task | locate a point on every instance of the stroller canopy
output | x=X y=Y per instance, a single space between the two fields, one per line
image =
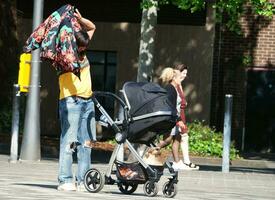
x=144 y=98
x=151 y=109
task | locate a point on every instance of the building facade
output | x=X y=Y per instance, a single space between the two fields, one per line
x=244 y=67
x=113 y=52
x=219 y=62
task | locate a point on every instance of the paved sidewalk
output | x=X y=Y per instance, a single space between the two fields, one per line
x=37 y=180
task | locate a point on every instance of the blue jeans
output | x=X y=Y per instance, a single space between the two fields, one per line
x=77 y=117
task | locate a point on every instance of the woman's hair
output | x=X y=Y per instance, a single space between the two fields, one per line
x=167 y=75
x=180 y=67
x=82 y=38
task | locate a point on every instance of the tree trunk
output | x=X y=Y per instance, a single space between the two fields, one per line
x=147 y=39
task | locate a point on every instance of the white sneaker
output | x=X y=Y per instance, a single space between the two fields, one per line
x=178 y=165
x=66 y=187
x=80 y=187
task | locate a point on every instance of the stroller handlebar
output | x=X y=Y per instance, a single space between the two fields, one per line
x=109 y=94
x=116 y=97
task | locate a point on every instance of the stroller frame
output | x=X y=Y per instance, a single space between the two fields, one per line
x=94 y=179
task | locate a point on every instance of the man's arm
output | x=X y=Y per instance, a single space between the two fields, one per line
x=85 y=23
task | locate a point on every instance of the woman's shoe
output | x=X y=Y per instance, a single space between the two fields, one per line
x=191 y=166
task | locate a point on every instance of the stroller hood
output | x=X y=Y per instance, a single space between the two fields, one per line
x=151 y=109
x=144 y=98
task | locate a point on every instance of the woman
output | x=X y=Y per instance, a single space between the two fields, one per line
x=171 y=79
x=181 y=124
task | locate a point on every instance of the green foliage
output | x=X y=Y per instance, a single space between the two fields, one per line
x=112 y=141
x=148 y=3
x=263 y=7
x=233 y=9
x=192 y=5
x=247 y=60
x=205 y=141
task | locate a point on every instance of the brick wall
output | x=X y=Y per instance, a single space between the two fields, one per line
x=256 y=48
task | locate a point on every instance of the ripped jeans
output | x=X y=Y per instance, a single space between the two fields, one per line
x=77 y=118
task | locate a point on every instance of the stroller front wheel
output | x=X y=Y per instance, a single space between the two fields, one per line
x=93 y=180
x=169 y=189
x=150 y=188
x=127 y=188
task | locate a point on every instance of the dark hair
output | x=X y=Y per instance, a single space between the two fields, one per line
x=180 y=67
x=82 y=38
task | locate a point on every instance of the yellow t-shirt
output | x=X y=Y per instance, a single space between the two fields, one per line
x=71 y=85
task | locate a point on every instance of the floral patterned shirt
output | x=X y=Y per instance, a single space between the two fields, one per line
x=55 y=37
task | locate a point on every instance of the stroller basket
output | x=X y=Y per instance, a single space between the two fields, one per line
x=130 y=171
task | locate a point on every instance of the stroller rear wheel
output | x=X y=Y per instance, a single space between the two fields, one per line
x=127 y=188
x=150 y=188
x=169 y=189
x=93 y=180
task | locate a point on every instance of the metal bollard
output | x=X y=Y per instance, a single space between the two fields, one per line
x=227 y=132
x=15 y=124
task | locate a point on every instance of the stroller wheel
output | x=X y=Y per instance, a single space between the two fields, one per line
x=127 y=188
x=150 y=188
x=169 y=189
x=93 y=180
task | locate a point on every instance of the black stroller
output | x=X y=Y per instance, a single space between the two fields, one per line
x=147 y=112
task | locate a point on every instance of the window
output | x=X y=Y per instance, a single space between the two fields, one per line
x=103 y=73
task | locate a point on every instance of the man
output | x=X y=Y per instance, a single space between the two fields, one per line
x=76 y=110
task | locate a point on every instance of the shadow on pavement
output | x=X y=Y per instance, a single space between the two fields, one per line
x=130 y=195
x=37 y=185
x=238 y=169
x=259 y=156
